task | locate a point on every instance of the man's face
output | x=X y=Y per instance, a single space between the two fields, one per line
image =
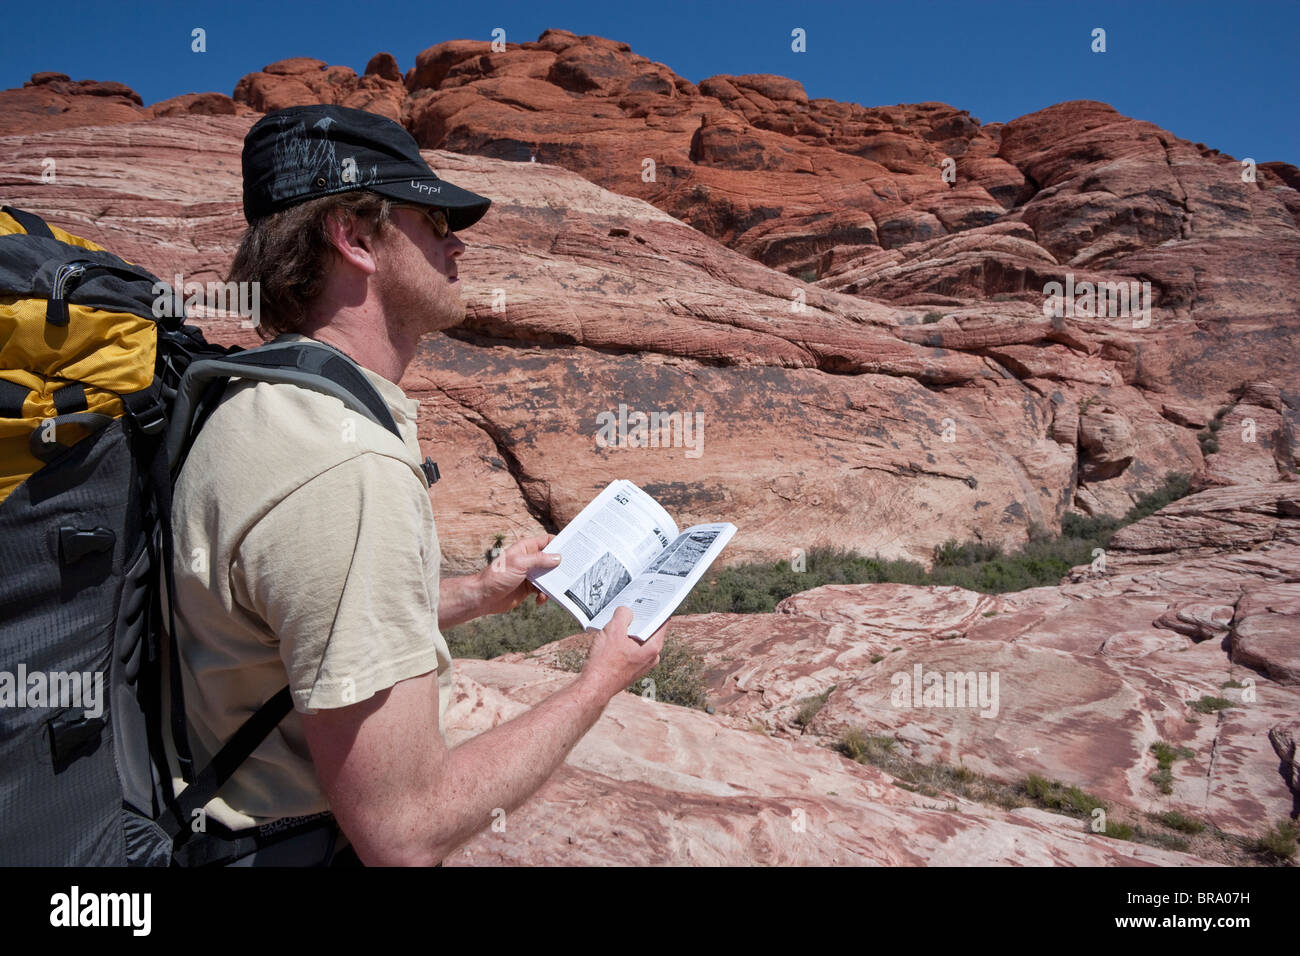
x=417 y=276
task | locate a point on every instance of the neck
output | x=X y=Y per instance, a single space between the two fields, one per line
x=369 y=345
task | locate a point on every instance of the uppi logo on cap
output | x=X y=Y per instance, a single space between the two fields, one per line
x=425 y=187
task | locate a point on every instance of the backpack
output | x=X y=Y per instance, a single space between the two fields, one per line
x=100 y=401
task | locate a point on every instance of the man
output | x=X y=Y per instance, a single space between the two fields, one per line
x=305 y=541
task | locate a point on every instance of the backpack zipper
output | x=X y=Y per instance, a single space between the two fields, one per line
x=67 y=276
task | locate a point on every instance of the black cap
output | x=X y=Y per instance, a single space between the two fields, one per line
x=305 y=152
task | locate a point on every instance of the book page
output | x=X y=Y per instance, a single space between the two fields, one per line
x=609 y=543
x=656 y=592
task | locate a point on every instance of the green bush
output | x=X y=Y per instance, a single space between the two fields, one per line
x=678 y=677
x=810 y=707
x=931 y=318
x=1178 y=821
x=1166 y=754
x=1054 y=795
x=524 y=629
x=1118 y=831
x=1209 y=435
x=1177 y=485
x=1210 y=705
x=1280 y=841
x=951 y=554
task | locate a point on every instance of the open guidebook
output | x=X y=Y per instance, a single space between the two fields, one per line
x=623 y=549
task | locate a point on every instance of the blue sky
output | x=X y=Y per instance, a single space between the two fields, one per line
x=1212 y=72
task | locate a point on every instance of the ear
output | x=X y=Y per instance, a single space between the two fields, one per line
x=351 y=241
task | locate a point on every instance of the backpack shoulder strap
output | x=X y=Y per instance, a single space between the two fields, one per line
x=313 y=365
x=32 y=223
x=176 y=819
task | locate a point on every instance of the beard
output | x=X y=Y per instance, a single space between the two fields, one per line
x=418 y=300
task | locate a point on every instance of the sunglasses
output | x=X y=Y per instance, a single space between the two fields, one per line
x=435 y=216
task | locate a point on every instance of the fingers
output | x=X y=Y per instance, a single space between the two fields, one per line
x=534 y=544
x=618 y=624
x=657 y=640
x=527 y=554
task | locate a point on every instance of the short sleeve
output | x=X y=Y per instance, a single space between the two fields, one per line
x=340 y=572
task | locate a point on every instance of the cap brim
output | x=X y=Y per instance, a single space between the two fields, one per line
x=463 y=207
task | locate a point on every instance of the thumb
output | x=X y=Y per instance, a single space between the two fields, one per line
x=543 y=561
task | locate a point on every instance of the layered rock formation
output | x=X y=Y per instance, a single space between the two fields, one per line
x=828 y=419
x=1074 y=683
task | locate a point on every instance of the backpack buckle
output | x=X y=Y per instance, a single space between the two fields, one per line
x=430 y=469
x=146 y=410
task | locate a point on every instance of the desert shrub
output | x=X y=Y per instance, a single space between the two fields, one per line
x=525 y=628
x=1054 y=795
x=810 y=707
x=1280 y=841
x=857 y=744
x=570 y=659
x=758 y=587
x=678 y=677
x=1176 y=485
x=1208 y=437
x=1117 y=830
x=1166 y=754
x=1181 y=822
x=952 y=554
x=1166 y=841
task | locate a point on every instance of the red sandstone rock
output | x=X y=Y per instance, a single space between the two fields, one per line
x=1266 y=632
x=52 y=101
x=197 y=104
x=883 y=431
x=1256 y=440
x=657 y=784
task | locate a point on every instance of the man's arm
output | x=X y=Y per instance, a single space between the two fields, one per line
x=458 y=600
x=403 y=798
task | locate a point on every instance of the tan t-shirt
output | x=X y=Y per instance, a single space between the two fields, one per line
x=306 y=552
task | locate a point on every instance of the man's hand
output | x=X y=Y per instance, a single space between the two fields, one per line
x=503 y=585
x=617 y=661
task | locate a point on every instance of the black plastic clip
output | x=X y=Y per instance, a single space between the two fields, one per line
x=146 y=410
x=76 y=543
